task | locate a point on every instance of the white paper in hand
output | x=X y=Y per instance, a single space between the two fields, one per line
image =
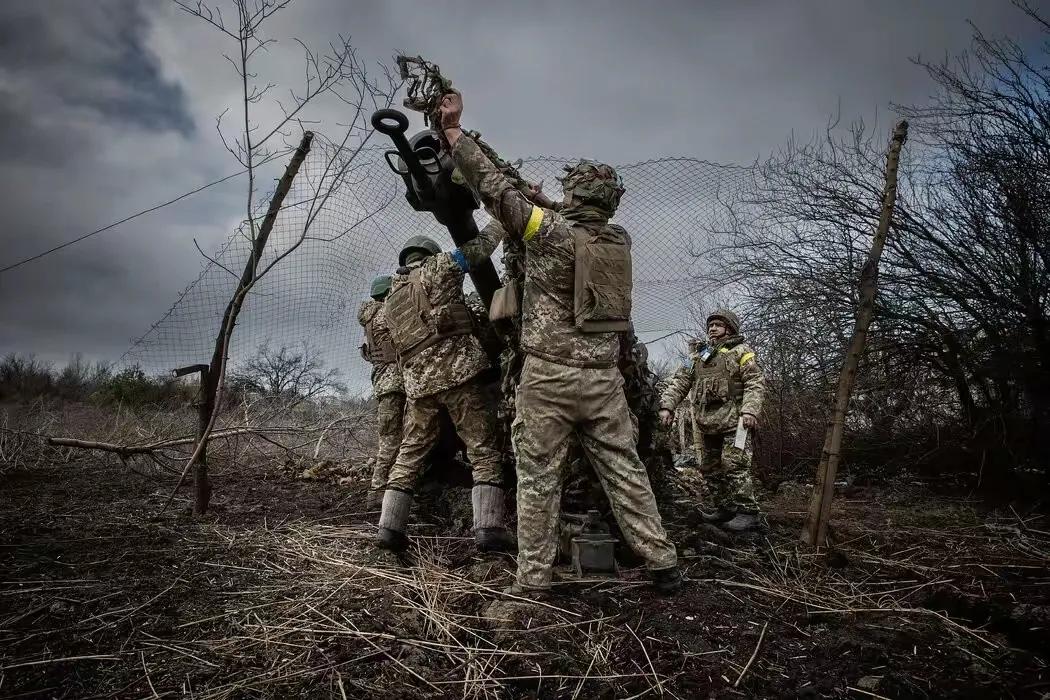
x=741 y=435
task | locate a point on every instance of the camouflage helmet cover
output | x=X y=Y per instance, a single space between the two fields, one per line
x=380 y=287
x=731 y=320
x=594 y=183
x=418 y=244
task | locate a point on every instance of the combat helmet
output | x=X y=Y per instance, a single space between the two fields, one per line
x=380 y=287
x=595 y=184
x=731 y=320
x=418 y=244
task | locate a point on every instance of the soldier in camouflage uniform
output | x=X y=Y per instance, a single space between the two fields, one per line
x=576 y=300
x=388 y=386
x=723 y=384
x=441 y=361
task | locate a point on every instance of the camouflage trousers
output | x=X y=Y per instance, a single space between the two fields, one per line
x=391 y=413
x=553 y=400
x=474 y=417
x=727 y=474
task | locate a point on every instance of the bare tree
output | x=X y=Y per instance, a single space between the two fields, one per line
x=290 y=374
x=338 y=74
x=980 y=241
x=960 y=343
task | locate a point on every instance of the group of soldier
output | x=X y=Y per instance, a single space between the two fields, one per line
x=421 y=340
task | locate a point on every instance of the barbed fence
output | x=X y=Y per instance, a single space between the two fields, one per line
x=670 y=208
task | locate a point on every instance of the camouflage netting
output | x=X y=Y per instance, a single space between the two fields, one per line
x=312 y=296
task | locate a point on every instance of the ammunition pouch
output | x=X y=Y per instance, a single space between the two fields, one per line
x=379 y=347
x=415 y=325
x=453 y=319
x=716 y=385
x=603 y=284
x=505 y=302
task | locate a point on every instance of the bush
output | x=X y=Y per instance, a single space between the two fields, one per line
x=24 y=378
x=133 y=387
x=78 y=380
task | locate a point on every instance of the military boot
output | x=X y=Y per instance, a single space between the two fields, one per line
x=745 y=522
x=393 y=520
x=374 y=499
x=518 y=591
x=667 y=581
x=717 y=516
x=490 y=517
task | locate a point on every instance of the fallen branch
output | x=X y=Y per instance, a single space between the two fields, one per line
x=754 y=654
x=147 y=448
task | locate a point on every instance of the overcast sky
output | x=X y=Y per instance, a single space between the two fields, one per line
x=108 y=107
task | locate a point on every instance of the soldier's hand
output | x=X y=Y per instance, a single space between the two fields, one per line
x=537 y=197
x=750 y=422
x=666 y=417
x=450 y=110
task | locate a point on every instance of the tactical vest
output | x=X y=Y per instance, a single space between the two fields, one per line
x=714 y=382
x=380 y=346
x=415 y=325
x=602 y=293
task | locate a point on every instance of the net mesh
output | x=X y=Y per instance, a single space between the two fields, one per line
x=311 y=296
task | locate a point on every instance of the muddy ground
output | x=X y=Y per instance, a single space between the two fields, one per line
x=278 y=593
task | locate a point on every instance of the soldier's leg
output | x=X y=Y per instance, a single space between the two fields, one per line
x=474 y=416
x=739 y=484
x=635 y=427
x=606 y=433
x=542 y=423
x=420 y=434
x=391 y=414
x=690 y=442
x=717 y=497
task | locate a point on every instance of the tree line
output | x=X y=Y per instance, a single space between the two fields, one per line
x=957 y=372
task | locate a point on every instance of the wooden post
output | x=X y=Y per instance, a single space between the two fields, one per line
x=815 y=531
x=210 y=376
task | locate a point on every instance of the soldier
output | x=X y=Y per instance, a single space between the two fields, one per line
x=576 y=300
x=725 y=384
x=388 y=386
x=441 y=359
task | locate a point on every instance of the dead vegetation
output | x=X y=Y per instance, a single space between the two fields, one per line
x=279 y=592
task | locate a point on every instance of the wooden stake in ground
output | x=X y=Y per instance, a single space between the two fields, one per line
x=815 y=531
x=217 y=367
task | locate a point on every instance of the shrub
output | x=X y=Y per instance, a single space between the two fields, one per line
x=23 y=378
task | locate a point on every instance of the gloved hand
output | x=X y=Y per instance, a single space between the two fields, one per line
x=450 y=110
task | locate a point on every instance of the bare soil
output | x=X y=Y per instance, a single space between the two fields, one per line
x=278 y=592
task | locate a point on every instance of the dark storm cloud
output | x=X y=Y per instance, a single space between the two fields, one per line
x=92 y=55
x=723 y=81
x=99 y=102
x=80 y=97
x=25 y=140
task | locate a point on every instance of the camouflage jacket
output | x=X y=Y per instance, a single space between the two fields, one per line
x=386 y=378
x=451 y=361
x=548 y=325
x=728 y=384
x=640 y=386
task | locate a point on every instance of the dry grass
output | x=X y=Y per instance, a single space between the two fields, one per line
x=283 y=603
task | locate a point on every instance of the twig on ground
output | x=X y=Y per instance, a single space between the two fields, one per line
x=754 y=654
